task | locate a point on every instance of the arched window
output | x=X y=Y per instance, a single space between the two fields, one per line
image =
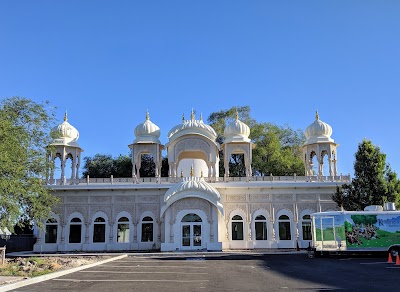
x=51 y=231
x=123 y=230
x=75 y=230
x=284 y=228
x=147 y=229
x=261 y=227
x=306 y=227
x=99 y=230
x=237 y=228
x=191 y=218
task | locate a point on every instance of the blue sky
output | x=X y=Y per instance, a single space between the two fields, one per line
x=107 y=62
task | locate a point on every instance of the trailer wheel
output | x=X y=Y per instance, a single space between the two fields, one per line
x=394 y=251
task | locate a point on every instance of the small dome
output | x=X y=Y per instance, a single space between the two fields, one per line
x=64 y=132
x=147 y=132
x=318 y=131
x=237 y=131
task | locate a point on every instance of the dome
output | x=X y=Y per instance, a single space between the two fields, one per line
x=192 y=187
x=64 y=133
x=192 y=126
x=147 y=132
x=318 y=131
x=237 y=131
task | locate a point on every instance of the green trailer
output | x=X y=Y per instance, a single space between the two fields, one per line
x=356 y=232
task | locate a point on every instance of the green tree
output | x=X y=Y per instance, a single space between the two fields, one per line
x=104 y=165
x=24 y=134
x=278 y=149
x=373 y=182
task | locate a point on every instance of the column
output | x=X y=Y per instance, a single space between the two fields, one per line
x=211 y=230
x=171 y=232
x=87 y=224
x=110 y=240
x=135 y=223
x=73 y=171
x=62 y=171
x=159 y=230
x=62 y=232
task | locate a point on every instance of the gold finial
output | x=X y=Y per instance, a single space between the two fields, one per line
x=237 y=115
x=316 y=115
x=147 y=115
x=183 y=118
x=202 y=173
x=65 y=116
x=192 y=115
x=201 y=116
x=191 y=171
x=181 y=173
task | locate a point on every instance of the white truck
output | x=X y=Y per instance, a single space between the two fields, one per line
x=372 y=230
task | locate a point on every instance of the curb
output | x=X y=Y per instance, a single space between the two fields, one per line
x=38 y=279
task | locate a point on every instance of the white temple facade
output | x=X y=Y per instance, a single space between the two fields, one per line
x=195 y=207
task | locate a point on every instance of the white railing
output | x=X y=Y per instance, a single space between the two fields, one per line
x=161 y=180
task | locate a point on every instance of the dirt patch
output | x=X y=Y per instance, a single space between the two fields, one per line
x=36 y=266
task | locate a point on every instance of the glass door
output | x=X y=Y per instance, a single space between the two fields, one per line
x=186 y=235
x=191 y=236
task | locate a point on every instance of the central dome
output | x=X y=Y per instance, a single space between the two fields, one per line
x=192 y=126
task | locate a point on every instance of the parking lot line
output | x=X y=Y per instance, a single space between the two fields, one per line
x=142 y=266
x=110 y=280
x=138 y=272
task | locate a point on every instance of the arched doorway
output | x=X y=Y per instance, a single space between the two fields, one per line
x=191 y=230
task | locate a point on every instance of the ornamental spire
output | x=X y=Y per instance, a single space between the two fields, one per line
x=147 y=115
x=316 y=115
x=191 y=171
x=237 y=115
x=183 y=118
x=192 y=115
x=65 y=116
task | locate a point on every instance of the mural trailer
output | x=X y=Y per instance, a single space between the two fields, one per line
x=356 y=231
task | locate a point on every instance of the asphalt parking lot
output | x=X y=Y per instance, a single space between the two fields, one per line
x=292 y=272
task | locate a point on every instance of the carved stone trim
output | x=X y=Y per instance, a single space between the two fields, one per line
x=80 y=209
x=191 y=204
x=100 y=199
x=141 y=208
x=260 y=206
x=127 y=208
x=236 y=198
x=262 y=198
x=123 y=199
x=285 y=198
x=147 y=199
x=231 y=207
x=96 y=208
x=74 y=199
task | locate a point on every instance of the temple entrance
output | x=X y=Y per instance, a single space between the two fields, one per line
x=191 y=226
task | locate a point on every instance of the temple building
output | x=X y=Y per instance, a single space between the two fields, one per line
x=195 y=207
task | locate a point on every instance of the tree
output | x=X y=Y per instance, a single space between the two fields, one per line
x=104 y=165
x=373 y=183
x=277 y=151
x=24 y=134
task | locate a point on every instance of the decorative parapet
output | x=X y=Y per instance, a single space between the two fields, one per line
x=169 y=180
